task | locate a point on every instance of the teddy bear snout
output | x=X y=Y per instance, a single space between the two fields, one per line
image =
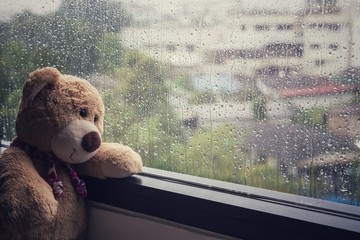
x=91 y=141
x=77 y=142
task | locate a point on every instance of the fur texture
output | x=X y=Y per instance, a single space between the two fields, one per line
x=50 y=102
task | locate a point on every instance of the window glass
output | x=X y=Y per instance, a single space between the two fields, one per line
x=260 y=93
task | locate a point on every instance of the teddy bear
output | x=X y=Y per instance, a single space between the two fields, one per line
x=58 y=139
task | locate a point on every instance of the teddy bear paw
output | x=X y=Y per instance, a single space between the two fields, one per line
x=125 y=164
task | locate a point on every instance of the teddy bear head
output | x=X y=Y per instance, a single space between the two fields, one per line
x=61 y=114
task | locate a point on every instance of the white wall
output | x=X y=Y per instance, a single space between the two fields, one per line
x=110 y=223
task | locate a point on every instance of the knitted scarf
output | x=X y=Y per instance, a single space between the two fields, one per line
x=53 y=179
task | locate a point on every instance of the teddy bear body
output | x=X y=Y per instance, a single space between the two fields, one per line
x=34 y=212
x=58 y=126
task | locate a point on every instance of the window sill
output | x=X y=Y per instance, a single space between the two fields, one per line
x=226 y=208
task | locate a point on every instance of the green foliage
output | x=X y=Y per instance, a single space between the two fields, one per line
x=13 y=69
x=8 y=109
x=354 y=180
x=138 y=113
x=264 y=176
x=118 y=118
x=71 y=38
x=109 y=54
x=141 y=83
x=213 y=154
x=74 y=42
x=314 y=117
x=17 y=60
x=154 y=142
x=152 y=136
x=259 y=107
x=71 y=41
x=184 y=81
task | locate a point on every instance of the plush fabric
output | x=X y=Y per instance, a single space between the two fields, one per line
x=58 y=126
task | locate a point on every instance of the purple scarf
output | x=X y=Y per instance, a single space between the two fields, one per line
x=53 y=179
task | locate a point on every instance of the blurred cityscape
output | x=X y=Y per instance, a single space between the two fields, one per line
x=300 y=58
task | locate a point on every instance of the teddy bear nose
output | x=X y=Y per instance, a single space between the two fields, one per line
x=91 y=141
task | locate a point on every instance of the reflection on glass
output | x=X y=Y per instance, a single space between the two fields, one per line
x=261 y=93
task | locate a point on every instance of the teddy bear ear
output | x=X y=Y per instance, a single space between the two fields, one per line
x=36 y=81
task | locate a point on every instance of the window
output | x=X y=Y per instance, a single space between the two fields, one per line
x=315 y=46
x=284 y=27
x=325 y=26
x=257 y=108
x=190 y=48
x=333 y=46
x=332 y=26
x=260 y=27
x=284 y=50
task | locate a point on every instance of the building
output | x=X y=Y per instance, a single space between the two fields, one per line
x=316 y=39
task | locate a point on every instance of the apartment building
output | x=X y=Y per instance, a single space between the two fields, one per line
x=315 y=40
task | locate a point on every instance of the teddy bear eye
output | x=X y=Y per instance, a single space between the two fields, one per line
x=96 y=118
x=83 y=113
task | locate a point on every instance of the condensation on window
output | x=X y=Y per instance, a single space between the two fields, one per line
x=259 y=93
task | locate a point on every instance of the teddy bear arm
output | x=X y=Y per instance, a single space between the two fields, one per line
x=112 y=160
x=26 y=200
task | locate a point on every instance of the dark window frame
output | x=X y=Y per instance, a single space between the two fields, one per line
x=225 y=208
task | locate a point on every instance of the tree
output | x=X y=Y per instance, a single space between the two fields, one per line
x=60 y=40
x=259 y=108
x=109 y=53
x=101 y=14
x=73 y=42
x=138 y=113
x=314 y=117
x=141 y=83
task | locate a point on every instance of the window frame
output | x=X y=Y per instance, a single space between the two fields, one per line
x=229 y=209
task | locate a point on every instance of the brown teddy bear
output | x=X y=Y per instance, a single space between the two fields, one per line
x=58 y=127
